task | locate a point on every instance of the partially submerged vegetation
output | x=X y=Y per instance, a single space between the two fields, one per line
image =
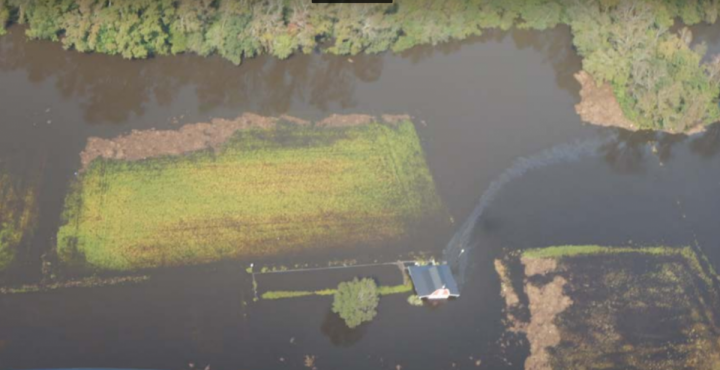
x=414 y=300
x=282 y=189
x=87 y=282
x=17 y=216
x=656 y=76
x=382 y=291
x=595 y=307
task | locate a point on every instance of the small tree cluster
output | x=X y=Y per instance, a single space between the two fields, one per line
x=658 y=77
x=356 y=301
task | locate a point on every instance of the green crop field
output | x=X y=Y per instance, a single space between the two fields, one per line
x=16 y=217
x=266 y=192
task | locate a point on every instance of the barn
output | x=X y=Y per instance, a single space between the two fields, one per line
x=433 y=281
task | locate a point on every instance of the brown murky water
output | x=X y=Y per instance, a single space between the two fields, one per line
x=479 y=105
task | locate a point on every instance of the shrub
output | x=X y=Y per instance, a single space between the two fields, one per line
x=356 y=301
x=415 y=300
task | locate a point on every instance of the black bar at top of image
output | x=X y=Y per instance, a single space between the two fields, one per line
x=352 y=1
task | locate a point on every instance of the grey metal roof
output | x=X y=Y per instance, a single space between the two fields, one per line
x=430 y=278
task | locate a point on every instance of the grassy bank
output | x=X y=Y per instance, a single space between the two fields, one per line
x=640 y=308
x=17 y=212
x=265 y=192
x=382 y=290
x=585 y=250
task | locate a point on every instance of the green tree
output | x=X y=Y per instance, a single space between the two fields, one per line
x=658 y=79
x=4 y=16
x=356 y=301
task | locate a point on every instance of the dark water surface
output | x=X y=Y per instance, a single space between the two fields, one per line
x=478 y=105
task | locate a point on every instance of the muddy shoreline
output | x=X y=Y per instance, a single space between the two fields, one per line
x=599 y=106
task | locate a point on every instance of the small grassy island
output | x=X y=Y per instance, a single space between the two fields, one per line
x=592 y=307
x=17 y=212
x=278 y=189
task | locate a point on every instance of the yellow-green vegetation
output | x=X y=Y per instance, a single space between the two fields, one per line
x=17 y=212
x=396 y=289
x=265 y=192
x=382 y=291
x=577 y=250
x=280 y=294
x=639 y=308
x=414 y=300
x=356 y=301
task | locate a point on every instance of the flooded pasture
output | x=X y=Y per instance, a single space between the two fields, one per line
x=478 y=105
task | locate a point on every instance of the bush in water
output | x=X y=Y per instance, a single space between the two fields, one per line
x=356 y=301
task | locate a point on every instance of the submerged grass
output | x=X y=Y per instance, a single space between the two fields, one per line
x=396 y=289
x=693 y=260
x=17 y=212
x=633 y=308
x=382 y=290
x=578 y=250
x=266 y=192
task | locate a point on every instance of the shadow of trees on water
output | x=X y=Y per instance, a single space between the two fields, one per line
x=114 y=90
x=334 y=328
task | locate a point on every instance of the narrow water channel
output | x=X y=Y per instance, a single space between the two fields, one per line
x=479 y=105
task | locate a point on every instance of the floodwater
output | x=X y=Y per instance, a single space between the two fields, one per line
x=479 y=105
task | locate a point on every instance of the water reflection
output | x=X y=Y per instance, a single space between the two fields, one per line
x=708 y=34
x=628 y=154
x=114 y=90
x=555 y=45
x=110 y=89
x=708 y=144
x=339 y=334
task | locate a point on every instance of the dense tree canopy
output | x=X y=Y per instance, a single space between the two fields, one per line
x=356 y=301
x=657 y=76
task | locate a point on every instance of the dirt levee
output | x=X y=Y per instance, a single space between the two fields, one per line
x=154 y=143
x=139 y=145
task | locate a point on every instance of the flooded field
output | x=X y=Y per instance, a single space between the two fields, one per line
x=588 y=307
x=481 y=108
x=263 y=192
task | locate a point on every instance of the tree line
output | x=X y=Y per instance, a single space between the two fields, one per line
x=660 y=79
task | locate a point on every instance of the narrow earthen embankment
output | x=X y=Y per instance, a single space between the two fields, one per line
x=139 y=145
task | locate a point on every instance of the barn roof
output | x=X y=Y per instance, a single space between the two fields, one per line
x=430 y=278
